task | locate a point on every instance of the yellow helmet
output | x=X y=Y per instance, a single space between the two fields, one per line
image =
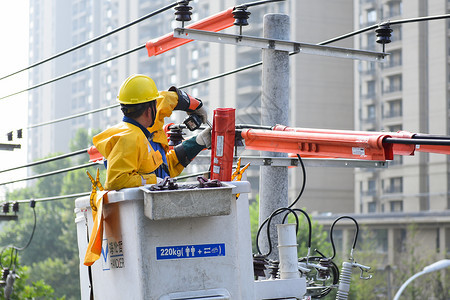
x=138 y=89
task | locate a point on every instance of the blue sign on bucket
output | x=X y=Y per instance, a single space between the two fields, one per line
x=190 y=251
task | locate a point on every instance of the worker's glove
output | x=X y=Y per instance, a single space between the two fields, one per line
x=189 y=149
x=202 y=113
x=186 y=102
x=204 y=138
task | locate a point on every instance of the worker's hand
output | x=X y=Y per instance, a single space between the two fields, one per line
x=186 y=102
x=202 y=113
x=204 y=138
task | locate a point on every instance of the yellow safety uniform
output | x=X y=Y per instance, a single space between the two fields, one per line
x=130 y=156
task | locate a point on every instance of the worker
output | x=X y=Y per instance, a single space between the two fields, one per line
x=136 y=150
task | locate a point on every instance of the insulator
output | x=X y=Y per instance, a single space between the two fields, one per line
x=259 y=266
x=183 y=11
x=383 y=34
x=5 y=273
x=324 y=274
x=32 y=203
x=10 y=136
x=19 y=133
x=273 y=268
x=6 y=208
x=344 y=281
x=15 y=207
x=175 y=136
x=240 y=14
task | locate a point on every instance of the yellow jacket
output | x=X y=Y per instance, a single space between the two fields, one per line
x=130 y=156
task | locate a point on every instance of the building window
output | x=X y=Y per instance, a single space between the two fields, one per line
x=372 y=207
x=396 y=206
x=370 y=89
x=394 y=109
x=395 y=8
x=395 y=59
x=371 y=16
x=371 y=112
x=394 y=84
x=395 y=186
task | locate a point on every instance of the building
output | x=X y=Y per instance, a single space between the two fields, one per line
x=408 y=92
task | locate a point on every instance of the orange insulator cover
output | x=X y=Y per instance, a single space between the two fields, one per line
x=319 y=144
x=398 y=149
x=94 y=155
x=213 y=23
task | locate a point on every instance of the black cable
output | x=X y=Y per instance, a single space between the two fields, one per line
x=74 y=72
x=94 y=39
x=268 y=220
x=258 y=3
x=32 y=233
x=417 y=141
x=51 y=173
x=309 y=224
x=74 y=116
x=78 y=152
x=355 y=238
x=17 y=249
x=303 y=184
x=372 y=27
x=280 y=210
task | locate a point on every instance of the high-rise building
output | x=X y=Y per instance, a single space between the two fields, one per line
x=410 y=92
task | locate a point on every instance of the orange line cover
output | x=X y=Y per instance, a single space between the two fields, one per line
x=320 y=144
x=213 y=23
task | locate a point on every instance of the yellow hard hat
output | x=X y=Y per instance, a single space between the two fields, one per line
x=138 y=89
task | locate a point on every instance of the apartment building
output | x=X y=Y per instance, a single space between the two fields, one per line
x=408 y=92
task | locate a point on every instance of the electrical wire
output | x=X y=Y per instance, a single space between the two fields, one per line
x=50 y=173
x=372 y=27
x=149 y=15
x=47 y=160
x=281 y=210
x=17 y=249
x=258 y=3
x=75 y=72
x=355 y=238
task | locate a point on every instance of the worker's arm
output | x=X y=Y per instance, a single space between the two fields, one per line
x=188 y=150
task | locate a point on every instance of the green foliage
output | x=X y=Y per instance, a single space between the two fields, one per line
x=50 y=263
x=22 y=288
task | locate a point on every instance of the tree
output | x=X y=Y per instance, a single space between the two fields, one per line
x=52 y=256
x=21 y=290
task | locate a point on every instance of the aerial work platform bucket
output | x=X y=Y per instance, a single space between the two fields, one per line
x=172 y=244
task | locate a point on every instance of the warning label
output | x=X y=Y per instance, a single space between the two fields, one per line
x=112 y=255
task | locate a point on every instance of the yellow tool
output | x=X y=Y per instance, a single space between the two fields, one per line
x=237 y=174
x=96 y=201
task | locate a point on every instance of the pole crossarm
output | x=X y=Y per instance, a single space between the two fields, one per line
x=281 y=45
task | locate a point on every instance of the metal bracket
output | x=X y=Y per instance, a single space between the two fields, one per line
x=293 y=161
x=274 y=44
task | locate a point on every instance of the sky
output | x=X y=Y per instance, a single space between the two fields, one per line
x=13 y=110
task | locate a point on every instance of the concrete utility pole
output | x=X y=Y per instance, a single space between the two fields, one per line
x=274 y=110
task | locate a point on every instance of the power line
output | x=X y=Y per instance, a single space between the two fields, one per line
x=51 y=173
x=73 y=116
x=395 y=22
x=94 y=39
x=47 y=160
x=75 y=72
x=117 y=105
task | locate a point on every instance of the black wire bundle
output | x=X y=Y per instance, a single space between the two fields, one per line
x=289 y=210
